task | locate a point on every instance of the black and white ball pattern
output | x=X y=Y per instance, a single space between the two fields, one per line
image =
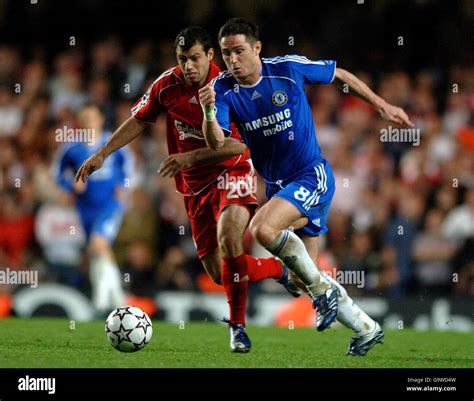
x=128 y=329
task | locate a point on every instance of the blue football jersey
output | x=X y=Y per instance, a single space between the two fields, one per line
x=101 y=184
x=273 y=115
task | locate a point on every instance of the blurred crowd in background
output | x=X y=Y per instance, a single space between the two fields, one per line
x=402 y=214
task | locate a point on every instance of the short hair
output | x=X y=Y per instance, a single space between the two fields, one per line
x=192 y=35
x=239 y=26
x=94 y=105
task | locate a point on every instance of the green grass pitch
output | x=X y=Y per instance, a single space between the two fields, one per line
x=38 y=342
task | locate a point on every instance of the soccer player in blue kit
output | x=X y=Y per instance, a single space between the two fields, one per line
x=265 y=99
x=100 y=203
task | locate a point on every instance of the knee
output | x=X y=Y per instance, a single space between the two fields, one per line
x=230 y=243
x=99 y=247
x=263 y=232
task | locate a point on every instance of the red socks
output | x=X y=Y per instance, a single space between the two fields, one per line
x=234 y=270
x=259 y=269
x=236 y=274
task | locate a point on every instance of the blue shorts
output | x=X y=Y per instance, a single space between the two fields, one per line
x=311 y=192
x=102 y=221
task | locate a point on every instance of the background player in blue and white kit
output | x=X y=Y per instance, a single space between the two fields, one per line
x=100 y=203
x=265 y=98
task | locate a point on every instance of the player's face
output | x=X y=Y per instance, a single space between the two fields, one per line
x=194 y=63
x=242 y=57
x=91 y=118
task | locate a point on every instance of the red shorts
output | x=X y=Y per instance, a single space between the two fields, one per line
x=237 y=186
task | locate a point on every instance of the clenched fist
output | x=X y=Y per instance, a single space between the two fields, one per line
x=207 y=96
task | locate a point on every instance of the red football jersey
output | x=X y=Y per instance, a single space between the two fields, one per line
x=171 y=94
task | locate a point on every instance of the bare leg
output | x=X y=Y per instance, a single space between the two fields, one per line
x=231 y=226
x=212 y=265
x=270 y=228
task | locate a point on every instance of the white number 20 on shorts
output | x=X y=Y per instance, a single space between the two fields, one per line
x=240 y=188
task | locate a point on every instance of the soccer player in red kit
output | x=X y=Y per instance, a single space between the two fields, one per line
x=218 y=186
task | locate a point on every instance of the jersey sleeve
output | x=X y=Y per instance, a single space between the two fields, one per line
x=309 y=71
x=149 y=106
x=223 y=114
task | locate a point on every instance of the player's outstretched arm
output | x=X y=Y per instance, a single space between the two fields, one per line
x=213 y=133
x=123 y=135
x=361 y=90
x=180 y=161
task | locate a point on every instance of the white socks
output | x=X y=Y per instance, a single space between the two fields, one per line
x=291 y=250
x=107 y=292
x=348 y=313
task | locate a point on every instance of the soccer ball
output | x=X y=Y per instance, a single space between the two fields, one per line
x=128 y=329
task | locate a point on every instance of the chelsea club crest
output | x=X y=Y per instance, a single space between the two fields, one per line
x=279 y=98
